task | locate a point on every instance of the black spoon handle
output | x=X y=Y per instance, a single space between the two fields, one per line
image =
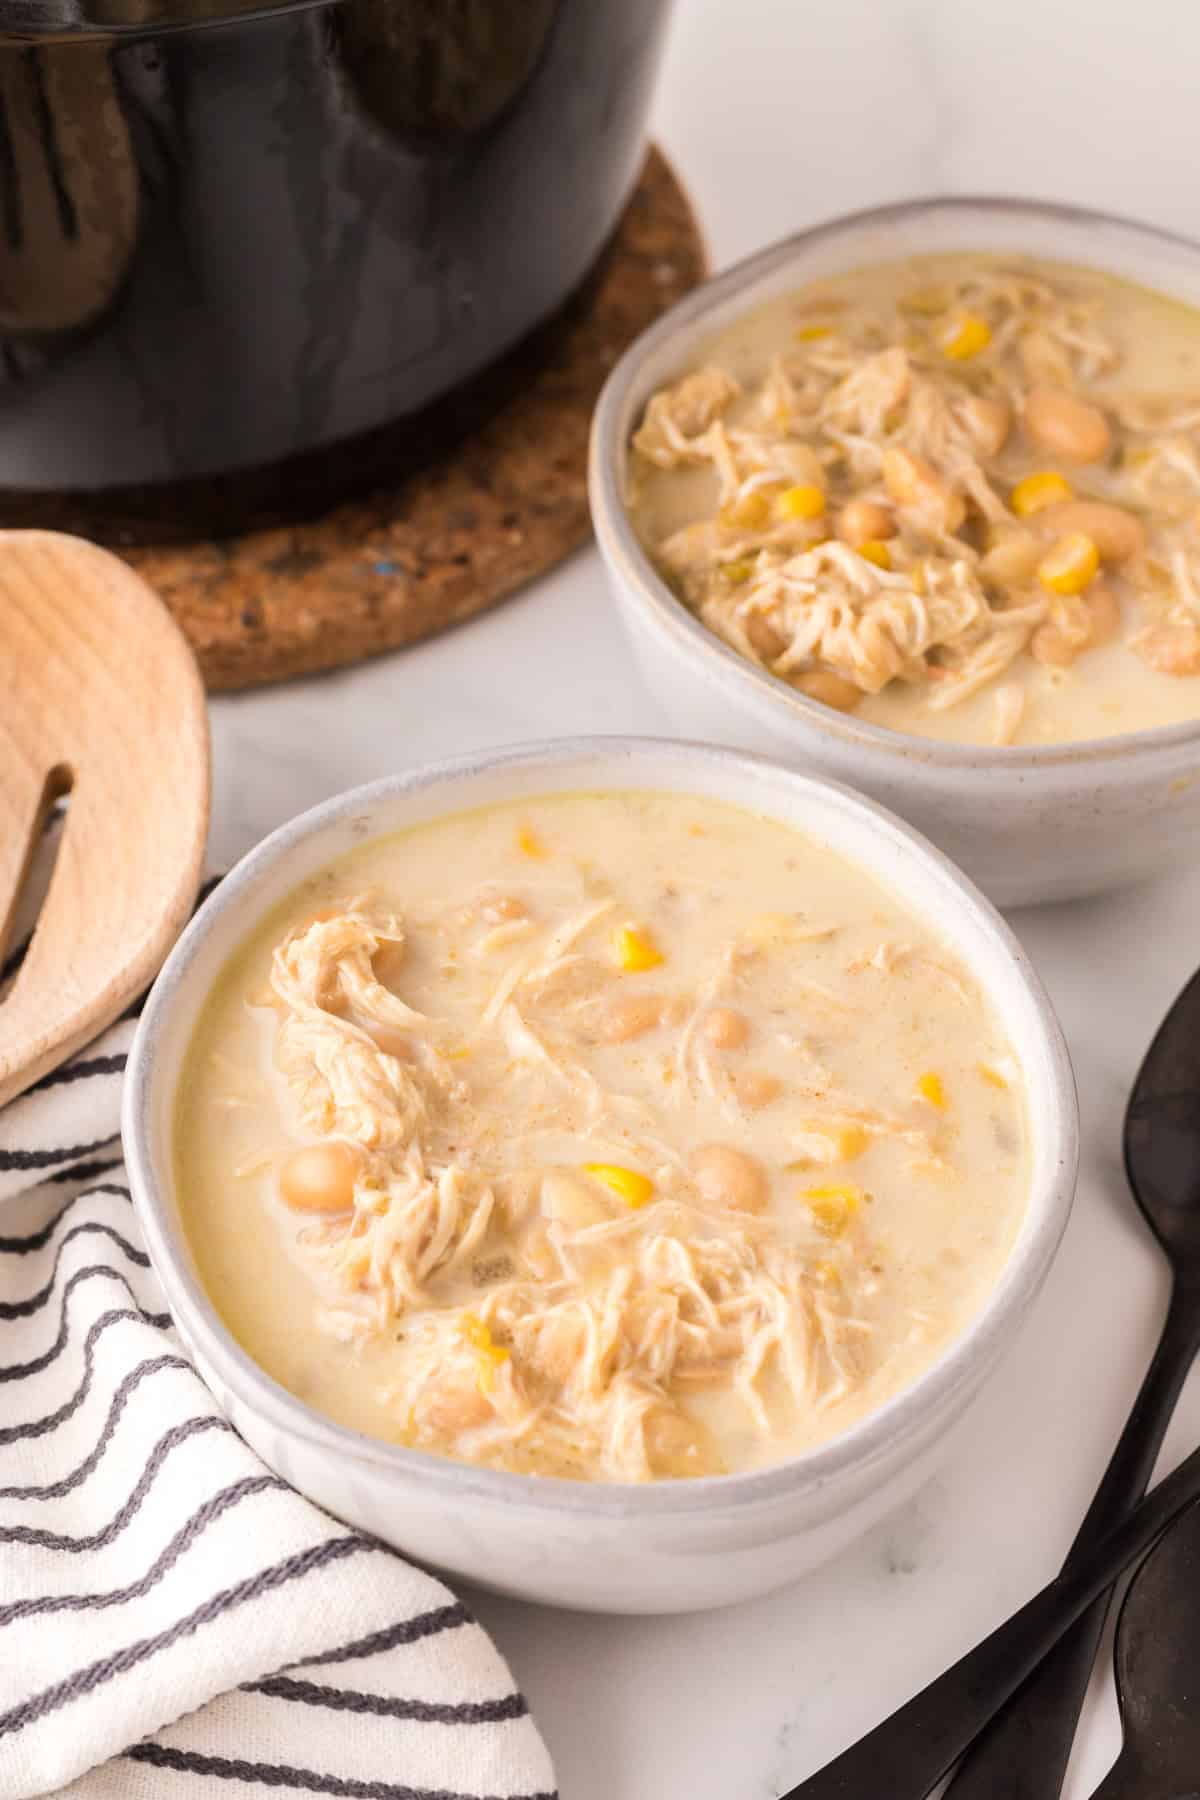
x=1023 y=1753
x=910 y=1752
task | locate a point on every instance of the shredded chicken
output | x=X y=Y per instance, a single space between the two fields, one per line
x=875 y=412
x=675 y=427
x=550 y=1319
x=363 y=1067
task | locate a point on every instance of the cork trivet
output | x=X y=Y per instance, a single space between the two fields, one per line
x=466 y=531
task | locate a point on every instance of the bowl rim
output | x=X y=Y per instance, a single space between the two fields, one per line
x=642 y=585
x=859 y=1447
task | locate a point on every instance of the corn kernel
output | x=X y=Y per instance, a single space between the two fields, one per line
x=963 y=335
x=808 y=334
x=751 y=512
x=489 y=1355
x=931 y=1089
x=636 y=950
x=825 y=1143
x=530 y=844
x=479 y=1336
x=627 y=1184
x=1044 y=488
x=993 y=1077
x=738 y=571
x=1070 y=565
x=918 y=577
x=833 y=1207
x=805 y=501
x=876 y=551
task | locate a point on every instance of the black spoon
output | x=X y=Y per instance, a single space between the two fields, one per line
x=920 y=1742
x=910 y=1752
x=1023 y=1753
x=1158 y=1673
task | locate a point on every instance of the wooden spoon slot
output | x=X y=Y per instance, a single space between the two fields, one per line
x=33 y=876
x=109 y=708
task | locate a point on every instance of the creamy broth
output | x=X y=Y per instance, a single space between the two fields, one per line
x=610 y=1136
x=958 y=496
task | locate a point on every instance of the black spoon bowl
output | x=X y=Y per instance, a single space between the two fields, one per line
x=910 y=1752
x=1023 y=1754
x=1021 y=1690
x=1158 y=1673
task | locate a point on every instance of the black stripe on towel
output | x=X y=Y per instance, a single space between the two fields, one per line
x=309 y=1781
x=53 y=1540
x=50 y=1159
x=382 y=1706
x=214 y=1508
x=38 y=1428
x=407 y=1631
x=19 y=1371
x=85 y=1171
x=21 y=1309
x=80 y=1071
x=33 y=1428
x=37 y=1240
x=94 y=1675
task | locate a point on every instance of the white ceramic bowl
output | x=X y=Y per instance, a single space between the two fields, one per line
x=1026 y=824
x=627 y=1548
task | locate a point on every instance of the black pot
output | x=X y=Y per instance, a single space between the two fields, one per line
x=250 y=259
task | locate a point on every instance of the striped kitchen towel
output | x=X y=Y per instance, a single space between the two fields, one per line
x=174 y=1619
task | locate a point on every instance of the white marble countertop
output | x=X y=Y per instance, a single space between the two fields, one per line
x=779 y=112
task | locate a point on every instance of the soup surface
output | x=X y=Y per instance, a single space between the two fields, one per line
x=613 y=1136
x=957 y=495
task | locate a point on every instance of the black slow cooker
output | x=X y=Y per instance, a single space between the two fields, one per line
x=251 y=257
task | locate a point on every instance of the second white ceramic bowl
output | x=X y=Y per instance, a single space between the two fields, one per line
x=1026 y=824
x=661 y=1547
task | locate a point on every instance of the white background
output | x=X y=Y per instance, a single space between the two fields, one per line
x=777 y=113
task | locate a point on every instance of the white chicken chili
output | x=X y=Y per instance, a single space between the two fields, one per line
x=957 y=495
x=608 y=1136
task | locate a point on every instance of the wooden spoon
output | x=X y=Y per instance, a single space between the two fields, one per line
x=100 y=699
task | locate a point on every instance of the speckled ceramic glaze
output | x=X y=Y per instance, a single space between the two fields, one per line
x=1027 y=824
x=670 y=1546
